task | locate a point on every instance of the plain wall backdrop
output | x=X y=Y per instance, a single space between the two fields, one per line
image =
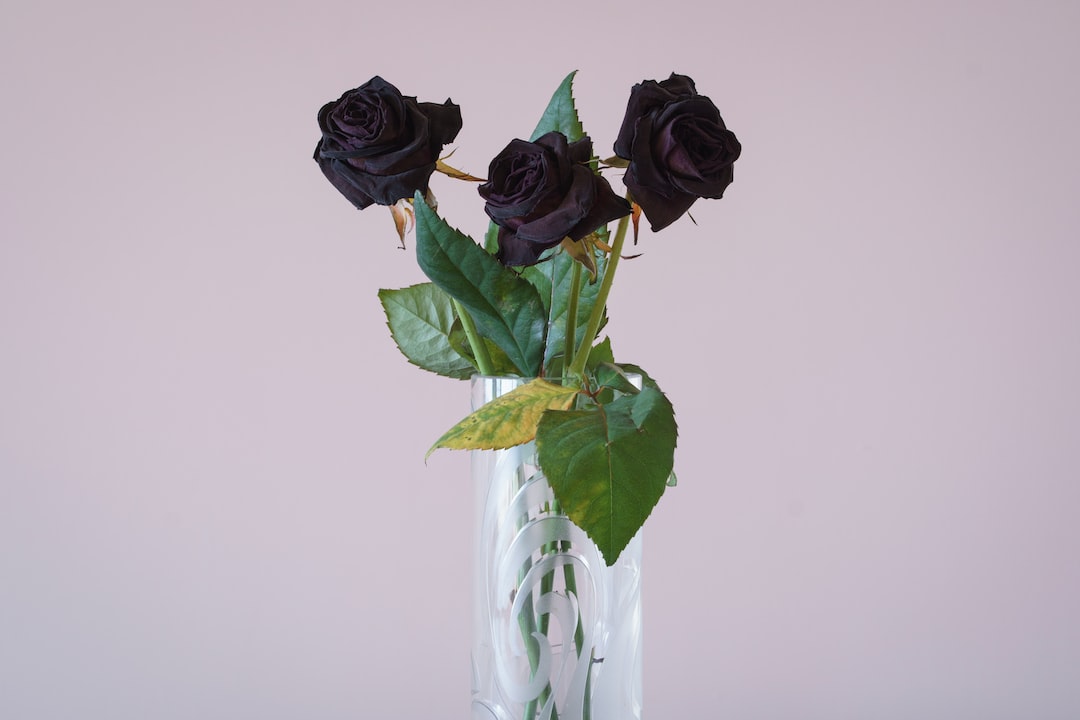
x=213 y=499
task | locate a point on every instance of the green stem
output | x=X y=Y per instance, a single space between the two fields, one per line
x=527 y=618
x=570 y=581
x=547 y=583
x=571 y=314
x=479 y=349
x=581 y=357
x=570 y=578
x=525 y=623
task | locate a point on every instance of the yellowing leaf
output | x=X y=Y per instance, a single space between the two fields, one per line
x=509 y=420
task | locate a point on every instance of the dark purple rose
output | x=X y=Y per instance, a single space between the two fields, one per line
x=379 y=146
x=678 y=147
x=541 y=192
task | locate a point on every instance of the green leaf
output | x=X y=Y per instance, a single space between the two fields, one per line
x=421 y=319
x=601 y=353
x=613 y=376
x=608 y=465
x=491 y=238
x=561 y=114
x=505 y=307
x=646 y=379
x=609 y=379
x=552 y=281
x=509 y=419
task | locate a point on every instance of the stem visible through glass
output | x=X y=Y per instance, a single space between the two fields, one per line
x=528 y=620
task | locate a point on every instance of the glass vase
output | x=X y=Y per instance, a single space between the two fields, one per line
x=556 y=632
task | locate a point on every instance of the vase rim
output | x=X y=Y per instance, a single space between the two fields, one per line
x=475 y=377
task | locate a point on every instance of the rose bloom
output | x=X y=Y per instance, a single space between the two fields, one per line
x=678 y=147
x=379 y=146
x=541 y=192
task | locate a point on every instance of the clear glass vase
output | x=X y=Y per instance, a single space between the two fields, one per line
x=556 y=632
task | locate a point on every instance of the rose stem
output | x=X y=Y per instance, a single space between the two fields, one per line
x=527 y=617
x=570 y=580
x=527 y=624
x=571 y=312
x=582 y=355
x=547 y=583
x=479 y=349
x=569 y=341
x=568 y=356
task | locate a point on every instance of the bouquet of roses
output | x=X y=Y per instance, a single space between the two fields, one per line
x=531 y=300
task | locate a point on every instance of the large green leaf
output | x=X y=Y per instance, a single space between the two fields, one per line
x=552 y=280
x=421 y=319
x=609 y=464
x=561 y=113
x=505 y=307
x=509 y=419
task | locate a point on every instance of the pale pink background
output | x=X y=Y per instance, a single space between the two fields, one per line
x=213 y=501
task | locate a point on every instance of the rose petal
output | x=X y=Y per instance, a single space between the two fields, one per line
x=607 y=207
x=515 y=252
x=551 y=227
x=445 y=121
x=646 y=97
x=342 y=181
x=661 y=210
